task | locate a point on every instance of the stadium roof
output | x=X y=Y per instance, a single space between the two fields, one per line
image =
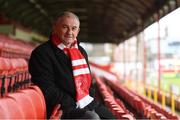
x=102 y=21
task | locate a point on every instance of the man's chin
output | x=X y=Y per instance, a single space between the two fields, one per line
x=69 y=41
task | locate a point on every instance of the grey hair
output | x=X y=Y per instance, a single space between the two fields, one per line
x=65 y=14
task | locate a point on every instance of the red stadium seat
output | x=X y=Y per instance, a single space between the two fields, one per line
x=24 y=70
x=8 y=74
x=127 y=117
x=57 y=112
x=10 y=109
x=25 y=103
x=38 y=102
x=2 y=76
x=37 y=89
x=5 y=67
x=11 y=74
x=114 y=105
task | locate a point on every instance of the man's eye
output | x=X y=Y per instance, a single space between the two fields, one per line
x=65 y=27
x=74 y=28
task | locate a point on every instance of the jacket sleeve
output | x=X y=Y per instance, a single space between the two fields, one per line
x=41 y=70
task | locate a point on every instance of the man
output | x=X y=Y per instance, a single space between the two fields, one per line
x=60 y=68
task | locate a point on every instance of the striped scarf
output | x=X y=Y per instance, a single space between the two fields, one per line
x=81 y=73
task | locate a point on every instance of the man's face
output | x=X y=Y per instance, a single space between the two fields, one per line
x=67 y=29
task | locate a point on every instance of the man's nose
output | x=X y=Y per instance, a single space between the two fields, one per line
x=69 y=31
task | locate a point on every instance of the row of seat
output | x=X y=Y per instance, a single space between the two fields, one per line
x=11 y=48
x=158 y=108
x=28 y=103
x=150 y=109
x=19 y=99
x=115 y=105
x=13 y=75
x=139 y=103
x=166 y=95
x=23 y=104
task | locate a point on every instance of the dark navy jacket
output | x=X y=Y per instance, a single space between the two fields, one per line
x=51 y=70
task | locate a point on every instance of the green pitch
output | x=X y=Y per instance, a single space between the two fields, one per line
x=171 y=79
x=167 y=81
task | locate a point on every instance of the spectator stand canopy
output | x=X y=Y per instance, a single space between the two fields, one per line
x=102 y=21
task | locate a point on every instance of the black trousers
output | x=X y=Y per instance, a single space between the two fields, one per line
x=90 y=115
x=103 y=112
x=85 y=113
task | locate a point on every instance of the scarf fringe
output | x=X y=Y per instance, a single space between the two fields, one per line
x=84 y=101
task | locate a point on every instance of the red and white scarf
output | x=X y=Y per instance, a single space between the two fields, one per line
x=81 y=73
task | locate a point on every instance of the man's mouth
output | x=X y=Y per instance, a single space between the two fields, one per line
x=69 y=37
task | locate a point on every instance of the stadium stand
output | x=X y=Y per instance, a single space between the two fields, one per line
x=141 y=105
x=19 y=98
x=117 y=108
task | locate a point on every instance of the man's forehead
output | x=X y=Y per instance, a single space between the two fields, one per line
x=68 y=17
x=64 y=20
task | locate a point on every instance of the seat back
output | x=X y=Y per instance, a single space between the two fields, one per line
x=38 y=102
x=25 y=103
x=37 y=89
x=3 y=72
x=9 y=109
